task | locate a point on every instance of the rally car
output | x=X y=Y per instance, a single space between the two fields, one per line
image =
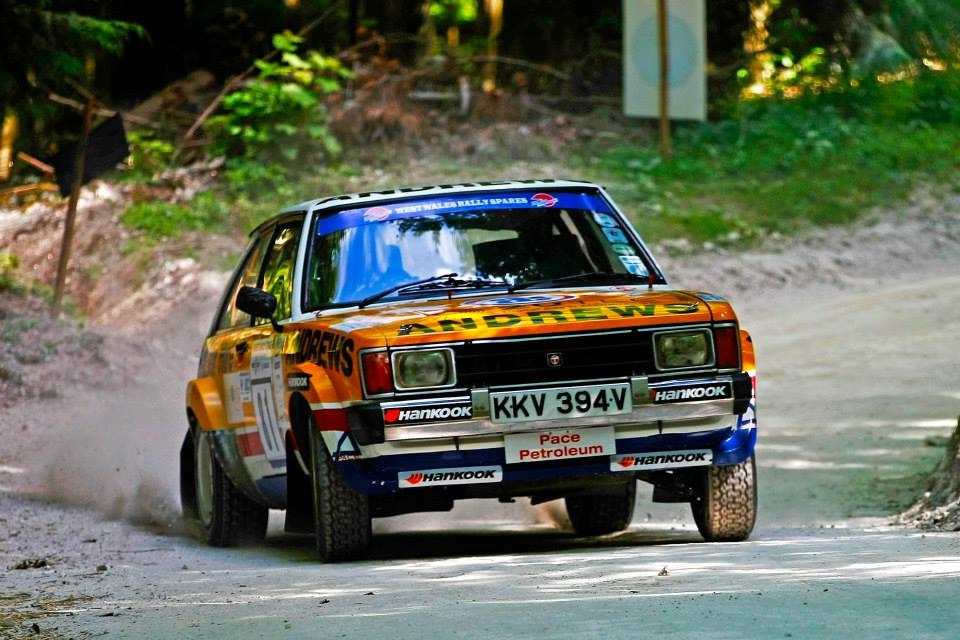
x=394 y=351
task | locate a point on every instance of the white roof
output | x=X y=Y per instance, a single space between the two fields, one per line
x=380 y=195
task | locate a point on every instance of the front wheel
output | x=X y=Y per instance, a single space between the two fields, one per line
x=725 y=507
x=341 y=515
x=599 y=514
x=227 y=516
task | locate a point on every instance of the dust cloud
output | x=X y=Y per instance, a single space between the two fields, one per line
x=116 y=448
x=119 y=455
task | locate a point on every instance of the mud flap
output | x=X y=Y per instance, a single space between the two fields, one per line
x=299 y=514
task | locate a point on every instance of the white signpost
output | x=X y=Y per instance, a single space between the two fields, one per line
x=686 y=33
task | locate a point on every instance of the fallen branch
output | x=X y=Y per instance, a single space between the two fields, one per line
x=517 y=62
x=39 y=165
x=100 y=111
x=29 y=188
x=588 y=99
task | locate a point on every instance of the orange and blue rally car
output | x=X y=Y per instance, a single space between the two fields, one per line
x=394 y=351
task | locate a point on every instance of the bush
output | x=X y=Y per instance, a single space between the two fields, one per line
x=279 y=116
x=779 y=165
x=160 y=219
x=8 y=265
x=149 y=154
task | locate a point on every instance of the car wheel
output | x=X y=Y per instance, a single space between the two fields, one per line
x=227 y=516
x=599 y=514
x=341 y=515
x=725 y=507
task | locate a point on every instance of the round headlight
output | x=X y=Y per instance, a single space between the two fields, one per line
x=429 y=368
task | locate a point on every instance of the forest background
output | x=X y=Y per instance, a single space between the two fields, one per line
x=818 y=110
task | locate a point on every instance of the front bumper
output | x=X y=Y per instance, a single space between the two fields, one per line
x=380 y=475
x=367 y=423
x=722 y=429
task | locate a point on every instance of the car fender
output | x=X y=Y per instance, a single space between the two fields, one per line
x=319 y=395
x=203 y=400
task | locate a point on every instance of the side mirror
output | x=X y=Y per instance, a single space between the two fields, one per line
x=259 y=304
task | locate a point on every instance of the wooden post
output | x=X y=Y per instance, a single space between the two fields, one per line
x=664 y=48
x=8 y=136
x=78 y=168
x=495 y=12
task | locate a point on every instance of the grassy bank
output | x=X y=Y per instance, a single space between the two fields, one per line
x=778 y=168
x=768 y=166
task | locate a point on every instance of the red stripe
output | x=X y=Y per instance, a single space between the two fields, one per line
x=331 y=419
x=250 y=444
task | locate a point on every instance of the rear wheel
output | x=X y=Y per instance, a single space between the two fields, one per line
x=598 y=514
x=227 y=516
x=341 y=515
x=725 y=508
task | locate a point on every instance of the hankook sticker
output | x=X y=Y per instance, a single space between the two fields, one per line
x=434 y=477
x=661 y=460
x=428 y=413
x=703 y=391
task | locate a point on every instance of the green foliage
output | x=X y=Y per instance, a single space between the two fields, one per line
x=159 y=219
x=916 y=95
x=8 y=267
x=782 y=165
x=446 y=12
x=924 y=28
x=12 y=329
x=789 y=76
x=279 y=116
x=44 y=46
x=149 y=153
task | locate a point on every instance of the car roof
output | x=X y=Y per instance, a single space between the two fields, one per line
x=372 y=197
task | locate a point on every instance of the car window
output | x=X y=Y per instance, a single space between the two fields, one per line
x=512 y=245
x=247 y=275
x=278 y=269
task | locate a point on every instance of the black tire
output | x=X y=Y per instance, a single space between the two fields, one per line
x=599 y=514
x=725 y=508
x=341 y=515
x=228 y=518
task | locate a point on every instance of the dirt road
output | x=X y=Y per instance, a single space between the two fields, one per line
x=857 y=380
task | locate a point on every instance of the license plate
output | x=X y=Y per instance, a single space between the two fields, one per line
x=570 y=402
x=559 y=444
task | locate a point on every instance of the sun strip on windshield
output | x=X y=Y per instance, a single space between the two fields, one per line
x=439 y=206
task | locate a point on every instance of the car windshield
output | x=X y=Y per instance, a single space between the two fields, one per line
x=491 y=241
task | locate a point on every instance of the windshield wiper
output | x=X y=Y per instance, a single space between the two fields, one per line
x=590 y=275
x=406 y=285
x=445 y=281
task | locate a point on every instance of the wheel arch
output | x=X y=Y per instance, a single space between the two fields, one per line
x=204 y=404
x=298 y=436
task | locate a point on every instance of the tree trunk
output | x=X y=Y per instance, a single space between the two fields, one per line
x=7 y=138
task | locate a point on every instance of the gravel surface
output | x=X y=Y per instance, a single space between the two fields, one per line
x=856 y=335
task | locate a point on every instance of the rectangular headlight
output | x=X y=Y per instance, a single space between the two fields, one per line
x=425 y=368
x=683 y=349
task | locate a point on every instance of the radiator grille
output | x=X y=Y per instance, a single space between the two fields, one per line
x=583 y=357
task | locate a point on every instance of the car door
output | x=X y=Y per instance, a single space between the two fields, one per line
x=244 y=354
x=268 y=348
